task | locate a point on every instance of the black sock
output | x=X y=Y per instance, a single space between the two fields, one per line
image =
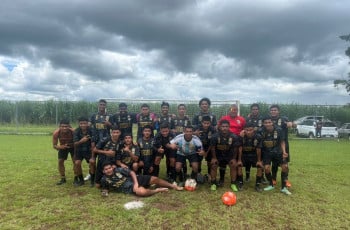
x=284 y=178
x=269 y=178
x=274 y=171
x=222 y=174
x=258 y=181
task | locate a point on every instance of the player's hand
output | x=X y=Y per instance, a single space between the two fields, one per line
x=150 y=169
x=161 y=150
x=201 y=152
x=92 y=160
x=239 y=163
x=242 y=133
x=285 y=155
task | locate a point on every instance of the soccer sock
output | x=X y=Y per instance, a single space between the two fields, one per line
x=213 y=182
x=156 y=170
x=222 y=174
x=240 y=178
x=194 y=175
x=274 y=171
x=92 y=178
x=283 y=178
x=269 y=178
x=247 y=171
x=258 y=181
x=172 y=173
x=184 y=169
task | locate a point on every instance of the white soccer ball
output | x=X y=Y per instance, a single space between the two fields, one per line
x=190 y=184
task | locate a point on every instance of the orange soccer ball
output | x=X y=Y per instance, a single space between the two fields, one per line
x=229 y=198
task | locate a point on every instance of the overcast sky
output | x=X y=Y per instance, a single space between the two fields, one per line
x=273 y=51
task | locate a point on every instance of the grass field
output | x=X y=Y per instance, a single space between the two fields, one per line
x=31 y=200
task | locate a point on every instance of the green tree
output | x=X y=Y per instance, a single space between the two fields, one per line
x=344 y=82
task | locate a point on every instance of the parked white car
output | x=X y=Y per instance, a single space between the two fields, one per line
x=307 y=128
x=344 y=131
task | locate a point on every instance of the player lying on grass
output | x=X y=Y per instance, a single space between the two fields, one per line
x=124 y=180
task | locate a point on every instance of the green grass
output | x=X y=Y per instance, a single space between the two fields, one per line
x=31 y=200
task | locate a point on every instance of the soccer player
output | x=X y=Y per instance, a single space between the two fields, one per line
x=224 y=150
x=118 y=179
x=145 y=118
x=100 y=121
x=162 y=148
x=189 y=147
x=248 y=155
x=164 y=116
x=147 y=154
x=204 y=105
x=129 y=154
x=284 y=124
x=181 y=120
x=205 y=132
x=273 y=149
x=106 y=150
x=84 y=142
x=64 y=136
x=124 y=119
x=255 y=118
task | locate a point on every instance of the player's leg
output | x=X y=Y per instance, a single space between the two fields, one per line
x=233 y=174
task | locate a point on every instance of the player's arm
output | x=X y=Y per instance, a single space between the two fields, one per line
x=55 y=139
x=240 y=150
x=283 y=147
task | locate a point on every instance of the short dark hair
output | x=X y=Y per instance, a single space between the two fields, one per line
x=249 y=125
x=255 y=105
x=115 y=127
x=181 y=105
x=267 y=117
x=102 y=100
x=164 y=125
x=105 y=163
x=164 y=103
x=64 y=121
x=224 y=122
x=206 y=118
x=128 y=134
x=275 y=106
x=189 y=127
x=147 y=127
x=83 y=119
x=144 y=105
x=121 y=105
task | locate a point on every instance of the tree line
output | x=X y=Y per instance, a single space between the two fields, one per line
x=50 y=112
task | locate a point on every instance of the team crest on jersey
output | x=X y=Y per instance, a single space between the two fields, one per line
x=275 y=134
x=230 y=141
x=279 y=122
x=255 y=142
x=200 y=118
x=238 y=122
x=259 y=123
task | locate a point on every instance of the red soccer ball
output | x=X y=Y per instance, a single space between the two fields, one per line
x=229 y=198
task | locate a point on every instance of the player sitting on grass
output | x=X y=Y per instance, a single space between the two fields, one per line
x=124 y=180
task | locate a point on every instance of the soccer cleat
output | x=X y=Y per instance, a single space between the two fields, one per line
x=269 y=188
x=234 y=188
x=258 y=189
x=285 y=191
x=288 y=184
x=213 y=187
x=62 y=181
x=88 y=176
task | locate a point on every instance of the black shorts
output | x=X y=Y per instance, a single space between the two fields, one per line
x=170 y=153
x=144 y=180
x=63 y=153
x=82 y=155
x=249 y=160
x=226 y=158
x=274 y=157
x=192 y=158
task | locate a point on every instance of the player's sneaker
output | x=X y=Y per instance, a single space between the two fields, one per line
x=269 y=188
x=258 y=188
x=234 y=188
x=88 y=176
x=213 y=187
x=285 y=191
x=62 y=181
x=288 y=184
x=274 y=182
